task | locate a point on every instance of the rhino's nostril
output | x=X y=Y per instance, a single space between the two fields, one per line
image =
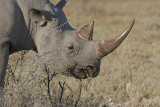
x=90 y=68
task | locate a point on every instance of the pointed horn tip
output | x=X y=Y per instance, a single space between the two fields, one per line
x=133 y=21
x=126 y=32
x=128 y=29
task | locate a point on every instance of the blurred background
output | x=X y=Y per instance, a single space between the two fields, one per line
x=130 y=76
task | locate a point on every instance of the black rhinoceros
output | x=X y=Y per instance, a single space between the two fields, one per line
x=41 y=26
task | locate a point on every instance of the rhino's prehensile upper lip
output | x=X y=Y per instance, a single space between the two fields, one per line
x=84 y=72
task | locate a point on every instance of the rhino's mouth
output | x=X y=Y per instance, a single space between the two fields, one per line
x=85 y=72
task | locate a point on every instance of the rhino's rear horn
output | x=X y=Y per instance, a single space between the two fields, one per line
x=105 y=47
x=86 y=32
x=61 y=4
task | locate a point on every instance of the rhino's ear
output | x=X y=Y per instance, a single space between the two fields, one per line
x=86 y=32
x=37 y=16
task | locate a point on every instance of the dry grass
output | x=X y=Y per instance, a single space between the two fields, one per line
x=129 y=77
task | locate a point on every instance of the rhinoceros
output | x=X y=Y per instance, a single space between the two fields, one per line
x=42 y=26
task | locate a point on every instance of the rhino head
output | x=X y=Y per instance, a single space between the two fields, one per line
x=66 y=50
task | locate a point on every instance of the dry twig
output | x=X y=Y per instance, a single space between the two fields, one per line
x=79 y=95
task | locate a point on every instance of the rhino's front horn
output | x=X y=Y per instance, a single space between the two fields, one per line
x=105 y=47
x=61 y=4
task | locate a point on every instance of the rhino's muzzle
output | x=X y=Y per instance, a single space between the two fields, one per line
x=83 y=73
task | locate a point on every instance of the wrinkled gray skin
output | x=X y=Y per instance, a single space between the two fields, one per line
x=41 y=26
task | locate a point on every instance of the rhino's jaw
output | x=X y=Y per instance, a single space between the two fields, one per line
x=85 y=72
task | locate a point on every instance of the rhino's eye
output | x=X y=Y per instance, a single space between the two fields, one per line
x=71 y=47
x=44 y=24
